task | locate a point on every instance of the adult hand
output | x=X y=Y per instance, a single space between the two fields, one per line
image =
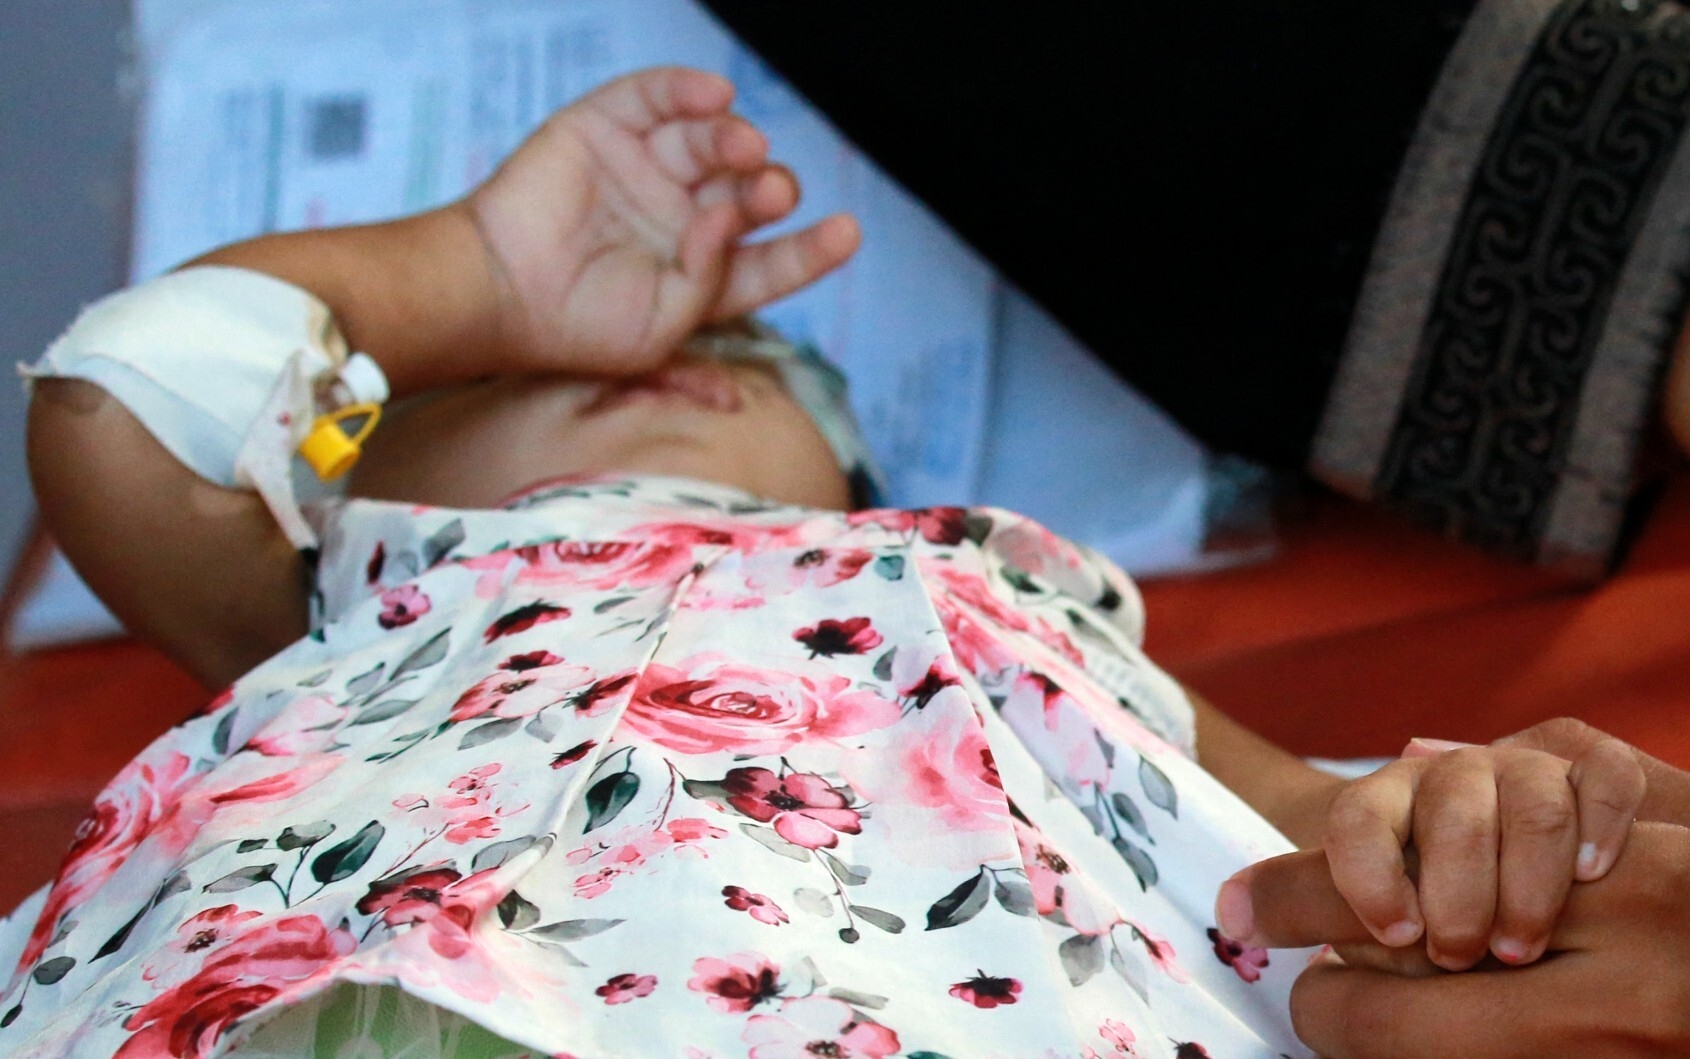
x=617 y=228
x=1615 y=985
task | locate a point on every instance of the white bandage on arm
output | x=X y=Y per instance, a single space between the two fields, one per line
x=224 y=367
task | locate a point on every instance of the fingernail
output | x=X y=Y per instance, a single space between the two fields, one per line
x=1399 y=934
x=1589 y=863
x=1422 y=747
x=1510 y=951
x=1233 y=911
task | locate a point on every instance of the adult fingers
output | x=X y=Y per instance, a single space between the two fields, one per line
x=692 y=151
x=1347 y=1012
x=641 y=101
x=1288 y=902
x=1539 y=842
x=1455 y=830
x=1367 y=827
x=763 y=272
x=1610 y=784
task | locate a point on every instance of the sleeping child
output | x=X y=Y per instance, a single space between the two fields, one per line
x=607 y=715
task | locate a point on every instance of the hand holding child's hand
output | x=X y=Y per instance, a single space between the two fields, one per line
x=616 y=229
x=1500 y=834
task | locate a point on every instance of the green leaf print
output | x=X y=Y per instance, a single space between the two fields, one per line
x=429 y=654
x=240 y=879
x=486 y=733
x=961 y=904
x=304 y=836
x=1158 y=787
x=1082 y=957
x=49 y=972
x=881 y=918
x=342 y=860
x=608 y=797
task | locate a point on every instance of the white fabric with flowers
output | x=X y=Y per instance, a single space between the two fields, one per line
x=647 y=767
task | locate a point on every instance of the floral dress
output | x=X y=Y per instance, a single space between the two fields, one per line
x=648 y=767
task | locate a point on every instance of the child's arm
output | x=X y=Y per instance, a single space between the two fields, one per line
x=611 y=234
x=1293 y=796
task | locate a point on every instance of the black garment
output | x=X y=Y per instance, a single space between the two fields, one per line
x=1192 y=189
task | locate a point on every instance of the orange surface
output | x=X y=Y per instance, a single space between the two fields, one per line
x=1360 y=635
x=1364 y=634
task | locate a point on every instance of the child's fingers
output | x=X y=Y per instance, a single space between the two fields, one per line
x=1610 y=783
x=641 y=101
x=693 y=151
x=1367 y=827
x=760 y=198
x=1455 y=830
x=1539 y=818
x=763 y=272
x=705 y=247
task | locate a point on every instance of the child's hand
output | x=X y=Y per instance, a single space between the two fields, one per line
x=616 y=229
x=1500 y=835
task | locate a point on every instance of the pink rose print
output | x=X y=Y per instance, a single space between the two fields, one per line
x=267 y=962
x=472 y=787
x=816 y=568
x=524 y=618
x=625 y=987
x=595 y=884
x=762 y=909
x=307 y=726
x=1121 y=1038
x=807 y=810
x=938 y=677
x=976 y=646
x=817 y=1026
x=936 y=525
x=165 y=804
x=1161 y=953
x=409 y=897
x=453 y=936
x=692 y=829
x=984 y=991
x=974 y=594
x=467 y=813
x=524 y=685
x=602 y=694
x=1054 y=886
x=630 y=848
x=710 y=705
x=853 y=636
x=1246 y=960
x=437 y=901
x=401 y=606
x=576 y=753
x=947 y=775
x=209 y=927
x=736 y=984
x=660 y=553
x=204 y=931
